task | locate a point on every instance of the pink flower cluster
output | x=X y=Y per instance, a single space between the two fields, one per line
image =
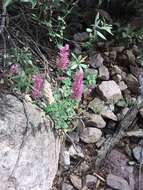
x=77 y=86
x=37 y=85
x=63 y=58
x=13 y=68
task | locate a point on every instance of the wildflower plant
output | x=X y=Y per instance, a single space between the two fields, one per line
x=37 y=85
x=63 y=57
x=69 y=91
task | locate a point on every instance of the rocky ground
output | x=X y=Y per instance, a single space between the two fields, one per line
x=105 y=149
x=118 y=89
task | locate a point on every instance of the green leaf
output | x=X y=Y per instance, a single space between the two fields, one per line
x=6 y=3
x=74 y=66
x=33 y=2
x=100 y=35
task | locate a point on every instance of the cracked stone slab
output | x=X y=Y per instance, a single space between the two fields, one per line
x=29 y=149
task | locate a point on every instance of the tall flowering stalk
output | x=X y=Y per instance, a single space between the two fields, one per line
x=37 y=85
x=63 y=57
x=77 y=86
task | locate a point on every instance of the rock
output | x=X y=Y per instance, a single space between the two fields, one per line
x=124 y=75
x=76 y=181
x=121 y=104
x=113 y=55
x=100 y=142
x=115 y=70
x=29 y=149
x=138 y=154
x=66 y=186
x=132 y=83
x=119 y=49
x=122 y=59
x=135 y=133
x=74 y=135
x=117 y=78
x=136 y=70
x=90 y=135
x=96 y=61
x=95 y=120
x=110 y=91
x=117 y=182
x=124 y=111
x=81 y=37
x=96 y=105
x=76 y=151
x=141 y=112
x=117 y=164
x=103 y=73
x=90 y=180
x=122 y=85
x=84 y=167
x=135 y=50
x=131 y=56
x=109 y=115
x=65 y=159
x=47 y=92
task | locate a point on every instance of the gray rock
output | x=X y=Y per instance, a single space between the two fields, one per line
x=76 y=181
x=107 y=113
x=76 y=151
x=115 y=70
x=95 y=120
x=81 y=37
x=103 y=73
x=96 y=105
x=132 y=83
x=117 y=78
x=138 y=154
x=100 y=142
x=84 y=167
x=74 y=134
x=66 y=186
x=117 y=164
x=141 y=112
x=135 y=133
x=117 y=182
x=110 y=91
x=96 y=61
x=90 y=135
x=122 y=85
x=119 y=49
x=65 y=159
x=90 y=180
x=121 y=103
x=29 y=150
x=113 y=55
x=131 y=56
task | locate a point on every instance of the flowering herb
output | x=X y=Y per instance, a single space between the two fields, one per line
x=63 y=57
x=13 y=68
x=37 y=85
x=77 y=86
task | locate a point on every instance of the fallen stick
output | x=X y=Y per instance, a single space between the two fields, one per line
x=110 y=143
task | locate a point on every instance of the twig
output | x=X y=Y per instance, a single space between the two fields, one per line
x=119 y=134
x=99 y=177
x=3 y=20
x=72 y=142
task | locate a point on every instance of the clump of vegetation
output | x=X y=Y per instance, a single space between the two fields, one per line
x=72 y=81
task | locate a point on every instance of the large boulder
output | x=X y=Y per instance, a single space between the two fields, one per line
x=29 y=149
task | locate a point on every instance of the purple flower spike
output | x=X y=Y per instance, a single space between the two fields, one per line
x=37 y=85
x=77 y=86
x=63 y=59
x=13 y=68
